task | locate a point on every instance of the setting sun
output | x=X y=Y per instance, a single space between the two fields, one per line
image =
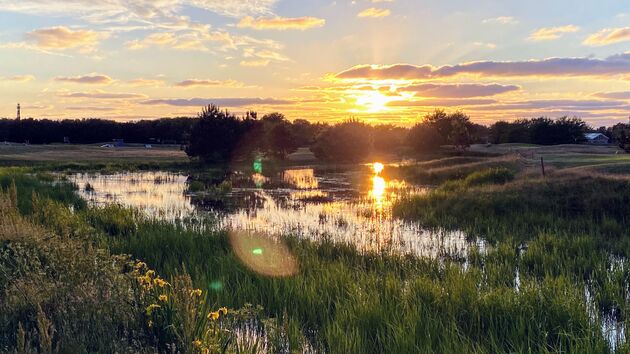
x=372 y=102
x=378 y=167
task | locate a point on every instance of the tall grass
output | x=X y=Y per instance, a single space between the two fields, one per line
x=525 y=293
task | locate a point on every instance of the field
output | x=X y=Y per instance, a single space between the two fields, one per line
x=551 y=275
x=65 y=153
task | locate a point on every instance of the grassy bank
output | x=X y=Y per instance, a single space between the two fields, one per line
x=550 y=241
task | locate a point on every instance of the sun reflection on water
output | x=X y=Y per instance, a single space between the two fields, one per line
x=350 y=206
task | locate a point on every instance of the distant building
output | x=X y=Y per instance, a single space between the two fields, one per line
x=19 y=115
x=119 y=142
x=597 y=139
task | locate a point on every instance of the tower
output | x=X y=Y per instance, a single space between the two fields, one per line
x=18 y=112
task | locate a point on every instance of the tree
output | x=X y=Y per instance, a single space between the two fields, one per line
x=350 y=141
x=621 y=135
x=306 y=132
x=278 y=139
x=424 y=137
x=459 y=133
x=453 y=129
x=217 y=135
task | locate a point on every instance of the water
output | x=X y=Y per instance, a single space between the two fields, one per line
x=351 y=206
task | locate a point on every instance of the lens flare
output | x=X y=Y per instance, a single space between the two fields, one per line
x=378 y=167
x=263 y=255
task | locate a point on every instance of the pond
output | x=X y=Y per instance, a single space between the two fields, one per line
x=349 y=205
x=345 y=205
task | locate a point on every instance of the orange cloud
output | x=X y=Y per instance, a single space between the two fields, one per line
x=103 y=95
x=61 y=38
x=459 y=90
x=18 y=78
x=145 y=82
x=255 y=62
x=281 y=23
x=551 y=67
x=608 y=36
x=551 y=33
x=208 y=83
x=374 y=13
x=93 y=79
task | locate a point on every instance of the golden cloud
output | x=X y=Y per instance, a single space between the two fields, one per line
x=61 y=38
x=18 y=78
x=608 y=36
x=374 y=13
x=209 y=83
x=281 y=23
x=550 y=33
x=255 y=62
x=93 y=79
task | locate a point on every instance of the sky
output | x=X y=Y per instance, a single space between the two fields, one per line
x=379 y=61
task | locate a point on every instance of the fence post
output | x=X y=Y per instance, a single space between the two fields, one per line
x=542 y=166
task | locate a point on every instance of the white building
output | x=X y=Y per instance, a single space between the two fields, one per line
x=597 y=139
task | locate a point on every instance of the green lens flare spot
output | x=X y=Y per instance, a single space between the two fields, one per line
x=216 y=285
x=257 y=251
x=258 y=166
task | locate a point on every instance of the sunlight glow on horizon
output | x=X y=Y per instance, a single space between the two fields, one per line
x=316 y=61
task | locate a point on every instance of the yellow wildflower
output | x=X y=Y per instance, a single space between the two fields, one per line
x=223 y=310
x=160 y=282
x=213 y=316
x=150 y=324
x=150 y=273
x=197 y=343
x=140 y=265
x=196 y=292
x=152 y=307
x=163 y=298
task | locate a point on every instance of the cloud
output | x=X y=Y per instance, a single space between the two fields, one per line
x=224 y=102
x=442 y=103
x=93 y=79
x=485 y=45
x=551 y=67
x=281 y=23
x=18 y=78
x=531 y=107
x=188 y=41
x=209 y=83
x=623 y=95
x=61 y=38
x=102 y=95
x=201 y=40
x=561 y=104
x=608 y=36
x=551 y=33
x=125 y=10
x=255 y=62
x=459 y=90
x=374 y=13
x=503 y=20
x=145 y=82
x=90 y=108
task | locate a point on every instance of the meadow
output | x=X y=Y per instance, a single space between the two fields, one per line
x=553 y=276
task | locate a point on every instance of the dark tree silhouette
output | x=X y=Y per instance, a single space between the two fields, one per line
x=350 y=141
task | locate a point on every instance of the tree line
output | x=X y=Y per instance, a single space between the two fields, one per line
x=90 y=131
x=217 y=135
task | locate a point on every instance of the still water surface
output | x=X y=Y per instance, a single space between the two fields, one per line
x=350 y=206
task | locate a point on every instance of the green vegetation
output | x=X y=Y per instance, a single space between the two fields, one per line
x=548 y=242
x=452 y=168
